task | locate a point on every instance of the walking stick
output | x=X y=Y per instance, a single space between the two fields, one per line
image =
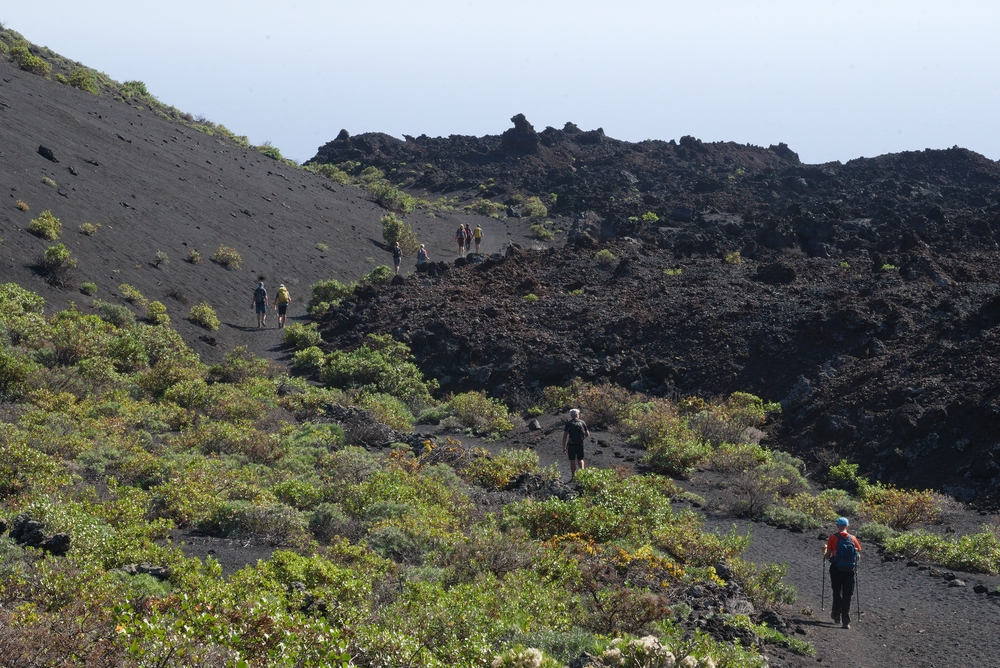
x=857 y=592
x=822 y=584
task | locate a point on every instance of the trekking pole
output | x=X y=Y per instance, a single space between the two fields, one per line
x=857 y=592
x=822 y=585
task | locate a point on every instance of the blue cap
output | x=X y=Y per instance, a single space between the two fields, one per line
x=842 y=522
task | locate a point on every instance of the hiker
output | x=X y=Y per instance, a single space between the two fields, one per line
x=260 y=304
x=460 y=238
x=478 y=236
x=574 y=432
x=843 y=550
x=397 y=257
x=422 y=255
x=281 y=304
x=468 y=238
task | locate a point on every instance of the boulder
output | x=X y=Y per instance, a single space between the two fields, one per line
x=47 y=153
x=520 y=139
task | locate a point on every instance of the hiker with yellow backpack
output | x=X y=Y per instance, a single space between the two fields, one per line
x=281 y=303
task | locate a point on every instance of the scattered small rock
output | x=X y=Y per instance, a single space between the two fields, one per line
x=980 y=589
x=912 y=564
x=534 y=425
x=47 y=153
x=956 y=583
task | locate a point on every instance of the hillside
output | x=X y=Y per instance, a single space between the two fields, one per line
x=158 y=184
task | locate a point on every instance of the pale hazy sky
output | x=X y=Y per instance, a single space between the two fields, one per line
x=834 y=79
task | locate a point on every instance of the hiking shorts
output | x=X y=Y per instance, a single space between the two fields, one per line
x=260 y=307
x=396 y=261
x=575 y=450
x=283 y=308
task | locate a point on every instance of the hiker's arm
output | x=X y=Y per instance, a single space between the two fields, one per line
x=565 y=436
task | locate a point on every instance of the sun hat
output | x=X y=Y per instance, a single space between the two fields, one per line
x=842 y=522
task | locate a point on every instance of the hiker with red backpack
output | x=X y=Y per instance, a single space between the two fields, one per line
x=843 y=551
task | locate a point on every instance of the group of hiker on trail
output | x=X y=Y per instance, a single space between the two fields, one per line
x=260 y=304
x=465 y=235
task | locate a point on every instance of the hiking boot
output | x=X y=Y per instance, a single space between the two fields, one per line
x=835 y=616
x=846 y=626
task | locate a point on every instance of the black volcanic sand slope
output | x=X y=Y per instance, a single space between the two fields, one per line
x=156 y=185
x=708 y=198
x=891 y=367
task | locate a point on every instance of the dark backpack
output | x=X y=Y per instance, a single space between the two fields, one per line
x=259 y=295
x=845 y=559
x=577 y=431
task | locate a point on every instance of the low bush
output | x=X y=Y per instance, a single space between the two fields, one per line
x=21 y=205
x=607 y=406
x=975 y=553
x=734 y=258
x=495 y=472
x=533 y=208
x=88 y=288
x=389 y=196
x=57 y=264
x=89 y=229
x=308 y=359
x=193 y=256
x=227 y=257
x=28 y=62
x=396 y=230
x=897 y=508
x=156 y=312
x=133 y=296
x=204 y=315
x=275 y=523
x=46 y=226
x=875 y=533
x=118 y=315
x=299 y=336
x=604 y=257
x=541 y=232
x=380 y=275
x=161 y=259
x=487 y=207
x=327 y=293
x=481 y=413
x=793 y=519
x=49 y=182
x=83 y=79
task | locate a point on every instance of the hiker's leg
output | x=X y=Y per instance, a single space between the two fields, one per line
x=583 y=464
x=845 y=597
x=572 y=468
x=837 y=582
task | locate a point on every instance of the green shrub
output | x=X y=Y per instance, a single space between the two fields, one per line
x=274 y=523
x=160 y=259
x=389 y=196
x=975 y=553
x=875 y=533
x=380 y=275
x=327 y=293
x=299 y=336
x=487 y=207
x=328 y=521
x=83 y=79
x=673 y=272
x=380 y=365
x=605 y=257
x=794 y=519
x=46 y=226
x=118 y=315
x=134 y=89
x=541 y=232
x=897 y=508
x=193 y=256
x=156 y=312
x=132 y=295
x=204 y=315
x=331 y=172
x=89 y=229
x=650 y=217
x=20 y=54
x=387 y=409
x=88 y=288
x=495 y=472
x=397 y=230
x=49 y=182
x=481 y=413
x=734 y=258
x=533 y=208
x=270 y=151
x=530 y=298
x=227 y=257
x=57 y=264
x=308 y=359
